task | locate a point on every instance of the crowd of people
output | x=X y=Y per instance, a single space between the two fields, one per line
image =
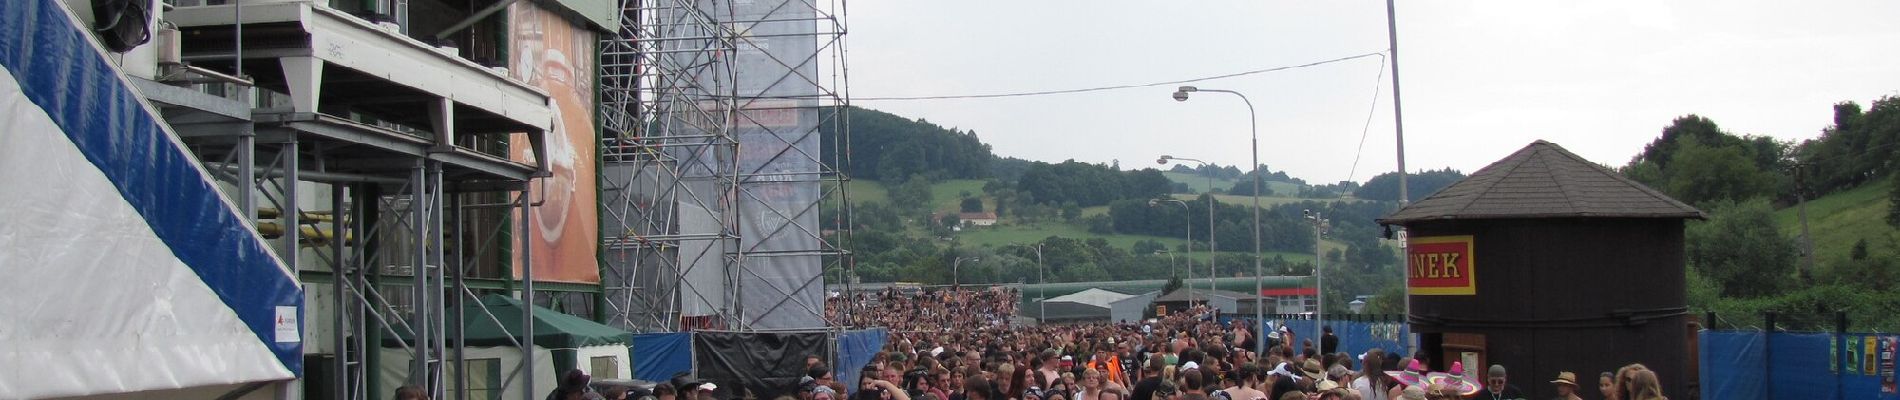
x=959 y=345
x=936 y=310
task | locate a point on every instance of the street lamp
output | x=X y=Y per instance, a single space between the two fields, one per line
x=1190 y=244
x=955 y=282
x=1253 y=122
x=1319 y=274
x=1173 y=270
x=1213 y=255
x=1042 y=288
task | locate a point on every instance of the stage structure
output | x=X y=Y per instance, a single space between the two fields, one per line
x=404 y=168
x=714 y=175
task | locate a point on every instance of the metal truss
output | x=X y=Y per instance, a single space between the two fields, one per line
x=710 y=178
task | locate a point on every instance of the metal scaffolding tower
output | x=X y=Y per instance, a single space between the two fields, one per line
x=714 y=174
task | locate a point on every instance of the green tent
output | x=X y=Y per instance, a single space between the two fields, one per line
x=552 y=329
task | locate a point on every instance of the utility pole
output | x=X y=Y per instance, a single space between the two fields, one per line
x=1042 y=288
x=1807 y=239
x=1398 y=125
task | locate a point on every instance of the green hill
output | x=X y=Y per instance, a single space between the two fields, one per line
x=1843 y=218
x=1199 y=184
x=945 y=196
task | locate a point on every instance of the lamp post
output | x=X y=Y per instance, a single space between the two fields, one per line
x=1213 y=255
x=955 y=281
x=1319 y=274
x=1042 y=289
x=1253 y=123
x=1173 y=270
x=1190 y=244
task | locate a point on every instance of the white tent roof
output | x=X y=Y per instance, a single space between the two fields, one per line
x=1093 y=296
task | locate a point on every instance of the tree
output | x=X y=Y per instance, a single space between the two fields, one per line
x=972 y=205
x=1148 y=246
x=1071 y=211
x=913 y=194
x=1893 y=203
x=1700 y=174
x=1388 y=301
x=1385 y=187
x=1740 y=249
x=1100 y=224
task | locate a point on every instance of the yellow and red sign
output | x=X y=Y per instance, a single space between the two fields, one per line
x=1441 y=265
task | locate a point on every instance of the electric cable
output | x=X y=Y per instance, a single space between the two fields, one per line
x=1380 y=54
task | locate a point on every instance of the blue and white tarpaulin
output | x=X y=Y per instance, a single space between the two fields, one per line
x=125 y=269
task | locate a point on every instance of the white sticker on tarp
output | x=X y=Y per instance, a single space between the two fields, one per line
x=287 y=325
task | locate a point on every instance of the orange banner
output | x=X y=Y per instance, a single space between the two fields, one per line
x=1441 y=265
x=557 y=55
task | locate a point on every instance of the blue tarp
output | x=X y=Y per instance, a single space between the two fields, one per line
x=658 y=356
x=1355 y=337
x=855 y=350
x=1755 y=365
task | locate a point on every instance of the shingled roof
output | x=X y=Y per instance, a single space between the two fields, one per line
x=1544 y=181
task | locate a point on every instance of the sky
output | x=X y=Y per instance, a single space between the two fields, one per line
x=1480 y=79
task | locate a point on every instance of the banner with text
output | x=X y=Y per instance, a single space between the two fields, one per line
x=1441 y=265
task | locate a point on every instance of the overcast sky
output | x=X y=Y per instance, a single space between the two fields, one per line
x=1479 y=79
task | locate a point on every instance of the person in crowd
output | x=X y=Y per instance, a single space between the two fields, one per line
x=1145 y=389
x=1192 y=383
x=614 y=393
x=1498 y=387
x=1328 y=343
x=1108 y=364
x=1247 y=387
x=573 y=386
x=1606 y=384
x=664 y=391
x=872 y=388
x=1625 y=381
x=1644 y=385
x=1048 y=368
x=410 y=392
x=1372 y=383
x=977 y=388
x=1566 y=384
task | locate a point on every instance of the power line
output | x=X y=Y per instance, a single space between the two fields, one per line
x=1381 y=55
x=1370 y=111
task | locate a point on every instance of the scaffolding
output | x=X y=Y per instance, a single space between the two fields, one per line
x=396 y=200
x=714 y=175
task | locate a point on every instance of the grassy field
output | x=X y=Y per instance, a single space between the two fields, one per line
x=1002 y=235
x=868 y=190
x=947 y=195
x=1839 y=220
x=1199 y=184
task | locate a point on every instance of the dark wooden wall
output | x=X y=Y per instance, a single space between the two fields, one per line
x=1585 y=295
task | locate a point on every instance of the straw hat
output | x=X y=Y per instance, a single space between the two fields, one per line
x=1566 y=378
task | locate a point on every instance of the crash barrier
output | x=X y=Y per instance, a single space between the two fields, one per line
x=1753 y=364
x=760 y=365
x=1357 y=333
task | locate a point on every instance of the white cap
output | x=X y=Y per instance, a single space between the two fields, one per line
x=1190 y=365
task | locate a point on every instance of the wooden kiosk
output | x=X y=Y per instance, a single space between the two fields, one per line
x=1546 y=262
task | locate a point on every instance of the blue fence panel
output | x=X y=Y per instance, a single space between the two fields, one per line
x=1796 y=363
x=1355 y=337
x=658 y=356
x=1754 y=365
x=1732 y=365
x=855 y=350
